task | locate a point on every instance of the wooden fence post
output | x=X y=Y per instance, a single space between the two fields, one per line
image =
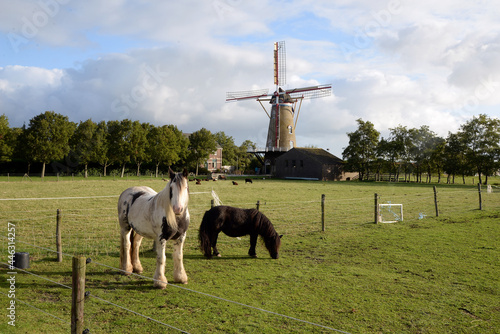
x=480 y=197
x=377 y=213
x=77 y=294
x=323 y=212
x=258 y=205
x=58 y=236
x=436 y=201
x=211 y=203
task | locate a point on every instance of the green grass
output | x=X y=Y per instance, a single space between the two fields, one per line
x=430 y=275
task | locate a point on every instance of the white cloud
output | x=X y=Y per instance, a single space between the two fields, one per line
x=408 y=63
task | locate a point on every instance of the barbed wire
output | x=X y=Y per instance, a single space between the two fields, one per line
x=91 y=295
x=54 y=198
x=36 y=308
x=137 y=313
x=180 y=287
x=27 y=243
x=29 y=272
x=219 y=298
x=268 y=206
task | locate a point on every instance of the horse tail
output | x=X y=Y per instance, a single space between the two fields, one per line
x=204 y=236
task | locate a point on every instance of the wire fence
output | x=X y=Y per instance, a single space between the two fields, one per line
x=94 y=231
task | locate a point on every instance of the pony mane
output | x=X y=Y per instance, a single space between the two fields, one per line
x=271 y=238
x=266 y=228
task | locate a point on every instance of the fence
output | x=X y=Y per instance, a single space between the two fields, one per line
x=62 y=233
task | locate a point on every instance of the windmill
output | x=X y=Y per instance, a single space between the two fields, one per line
x=283 y=116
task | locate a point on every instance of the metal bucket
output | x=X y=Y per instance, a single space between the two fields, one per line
x=22 y=260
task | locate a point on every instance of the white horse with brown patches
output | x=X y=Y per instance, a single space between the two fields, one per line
x=160 y=216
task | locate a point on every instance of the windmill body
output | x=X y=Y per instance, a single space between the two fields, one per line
x=281 y=132
x=284 y=113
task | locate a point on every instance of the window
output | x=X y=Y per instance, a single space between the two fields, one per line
x=290 y=129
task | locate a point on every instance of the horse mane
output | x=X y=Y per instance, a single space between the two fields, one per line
x=163 y=199
x=165 y=194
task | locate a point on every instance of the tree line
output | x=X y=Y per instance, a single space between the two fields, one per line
x=50 y=138
x=473 y=150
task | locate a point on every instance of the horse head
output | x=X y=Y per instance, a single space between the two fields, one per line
x=179 y=191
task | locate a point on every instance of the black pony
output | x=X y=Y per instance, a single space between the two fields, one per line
x=235 y=222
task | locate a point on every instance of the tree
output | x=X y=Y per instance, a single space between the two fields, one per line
x=101 y=146
x=388 y=153
x=454 y=153
x=165 y=143
x=481 y=136
x=438 y=156
x=83 y=143
x=402 y=145
x=362 y=147
x=138 y=143
x=127 y=142
x=229 y=149
x=6 y=140
x=48 y=137
x=246 y=159
x=422 y=151
x=119 y=142
x=201 y=144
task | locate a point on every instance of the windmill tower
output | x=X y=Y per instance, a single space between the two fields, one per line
x=283 y=115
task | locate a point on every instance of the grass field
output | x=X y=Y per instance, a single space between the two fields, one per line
x=426 y=274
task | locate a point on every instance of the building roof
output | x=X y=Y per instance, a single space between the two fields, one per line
x=318 y=154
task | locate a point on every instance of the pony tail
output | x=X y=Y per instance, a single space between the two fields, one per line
x=204 y=238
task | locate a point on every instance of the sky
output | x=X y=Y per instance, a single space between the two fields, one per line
x=394 y=62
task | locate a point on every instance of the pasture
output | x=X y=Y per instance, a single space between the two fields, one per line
x=426 y=274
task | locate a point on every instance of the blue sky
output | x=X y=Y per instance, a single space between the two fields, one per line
x=394 y=62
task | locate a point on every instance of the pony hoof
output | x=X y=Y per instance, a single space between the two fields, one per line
x=218 y=255
x=138 y=270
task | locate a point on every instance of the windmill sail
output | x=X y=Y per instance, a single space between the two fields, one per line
x=310 y=92
x=246 y=94
x=281 y=131
x=279 y=63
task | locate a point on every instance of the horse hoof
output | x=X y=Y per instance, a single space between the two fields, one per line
x=138 y=270
x=218 y=255
x=160 y=285
x=183 y=279
x=126 y=272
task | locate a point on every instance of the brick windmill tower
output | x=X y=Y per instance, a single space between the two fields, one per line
x=283 y=115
